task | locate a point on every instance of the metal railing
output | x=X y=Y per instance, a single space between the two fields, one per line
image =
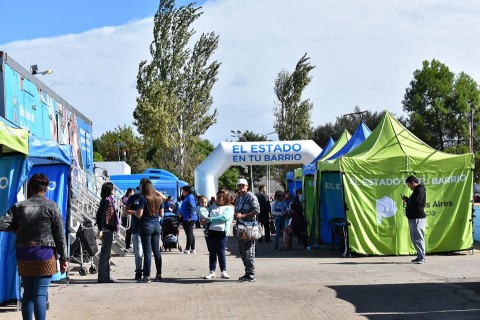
x=86 y=188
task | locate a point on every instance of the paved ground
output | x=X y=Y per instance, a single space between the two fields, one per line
x=300 y=284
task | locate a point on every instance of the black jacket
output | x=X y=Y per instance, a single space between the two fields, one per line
x=416 y=203
x=37 y=221
x=264 y=206
x=102 y=214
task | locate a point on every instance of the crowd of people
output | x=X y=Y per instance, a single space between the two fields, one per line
x=41 y=242
x=38 y=220
x=147 y=208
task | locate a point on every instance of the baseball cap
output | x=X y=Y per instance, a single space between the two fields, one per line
x=242 y=181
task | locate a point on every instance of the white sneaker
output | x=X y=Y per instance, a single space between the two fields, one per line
x=210 y=275
x=225 y=275
x=186 y=251
x=193 y=251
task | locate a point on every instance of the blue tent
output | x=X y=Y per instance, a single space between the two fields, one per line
x=360 y=134
x=331 y=191
x=292 y=184
x=162 y=180
x=325 y=150
x=53 y=160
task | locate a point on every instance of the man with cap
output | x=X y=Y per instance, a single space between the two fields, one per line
x=246 y=208
x=415 y=211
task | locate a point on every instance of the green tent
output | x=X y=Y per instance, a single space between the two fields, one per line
x=373 y=176
x=13 y=140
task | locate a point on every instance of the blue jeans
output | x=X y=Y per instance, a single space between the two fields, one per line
x=279 y=226
x=104 y=258
x=417 y=234
x=150 y=235
x=34 y=300
x=216 y=244
x=138 y=251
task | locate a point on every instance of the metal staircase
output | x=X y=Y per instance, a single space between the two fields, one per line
x=85 y=201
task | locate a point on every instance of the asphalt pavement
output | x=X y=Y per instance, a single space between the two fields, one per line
x=296 y=284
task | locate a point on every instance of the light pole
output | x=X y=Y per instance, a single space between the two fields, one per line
x=239 y=136
x=268 y=169
x=34 y=70
x=119 y=145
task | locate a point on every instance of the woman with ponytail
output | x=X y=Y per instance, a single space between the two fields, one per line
x=150 y=210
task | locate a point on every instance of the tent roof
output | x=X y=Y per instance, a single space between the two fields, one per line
x=360 y=134
x=392 y=148
x=46 y=151
x=310 y=168
x=336 y=147
x=326 y=149
x=13 y=139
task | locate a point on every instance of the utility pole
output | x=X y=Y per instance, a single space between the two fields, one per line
x=470 y=131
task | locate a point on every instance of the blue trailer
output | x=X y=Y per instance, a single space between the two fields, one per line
x=30 y=104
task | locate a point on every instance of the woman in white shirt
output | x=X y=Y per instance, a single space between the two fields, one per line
x=218 y=226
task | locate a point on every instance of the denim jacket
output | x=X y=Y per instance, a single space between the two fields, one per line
x=37 y=221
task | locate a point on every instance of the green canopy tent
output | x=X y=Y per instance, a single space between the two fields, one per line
x=373 y=178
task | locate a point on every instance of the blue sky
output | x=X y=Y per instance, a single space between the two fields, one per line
x=46 y=18
x=365 y=53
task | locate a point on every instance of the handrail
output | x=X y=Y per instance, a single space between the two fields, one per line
x=86 y=188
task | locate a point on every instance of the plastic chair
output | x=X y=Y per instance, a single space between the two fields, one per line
x=338 y=227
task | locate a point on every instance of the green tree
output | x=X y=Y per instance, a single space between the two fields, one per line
x=97 y=157
x=292 y=114
x=228 y=180
x=121 y=145
x=439 y=105
x=173 y=106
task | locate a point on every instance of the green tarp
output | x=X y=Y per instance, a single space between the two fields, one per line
x=13 y=140
x=373 y=180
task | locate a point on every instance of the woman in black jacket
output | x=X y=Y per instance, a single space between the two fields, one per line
x=108 y=223
x=38 y=225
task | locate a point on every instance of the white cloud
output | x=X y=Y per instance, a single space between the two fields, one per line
x=364 y=53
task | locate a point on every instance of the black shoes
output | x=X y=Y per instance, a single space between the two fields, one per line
x=247 y=278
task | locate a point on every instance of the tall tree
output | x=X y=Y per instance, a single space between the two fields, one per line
x=292 y=114
x=173 y=106
x=439 y=105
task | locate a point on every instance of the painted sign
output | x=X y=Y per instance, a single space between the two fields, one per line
x=228 y=154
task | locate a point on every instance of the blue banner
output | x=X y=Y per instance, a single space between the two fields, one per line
x=331 y=203
x=13 y=172
x=57 y=191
